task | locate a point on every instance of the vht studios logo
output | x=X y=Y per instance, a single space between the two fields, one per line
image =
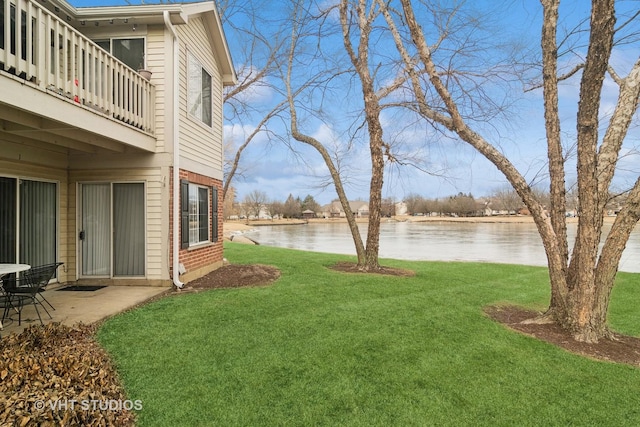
x=88 y=405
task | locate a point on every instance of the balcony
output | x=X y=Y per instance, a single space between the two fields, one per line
x=58 y=83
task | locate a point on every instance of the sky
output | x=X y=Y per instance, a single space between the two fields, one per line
x=449 y=166
x=277 y=165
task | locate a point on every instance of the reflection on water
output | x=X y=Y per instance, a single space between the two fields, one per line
x=511 y=243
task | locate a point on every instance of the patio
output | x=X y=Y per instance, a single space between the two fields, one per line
x=82 y=306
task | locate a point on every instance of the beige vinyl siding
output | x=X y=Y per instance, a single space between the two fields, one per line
x=200 y=143
x=156 y=268
x=158 y=55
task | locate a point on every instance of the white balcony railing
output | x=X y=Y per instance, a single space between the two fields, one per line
x=40 y=48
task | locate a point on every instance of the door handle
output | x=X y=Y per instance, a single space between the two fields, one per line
x=81 y=235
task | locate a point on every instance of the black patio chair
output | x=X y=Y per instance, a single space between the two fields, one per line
x=12 y=302
x=30 y=286
x=43 y=286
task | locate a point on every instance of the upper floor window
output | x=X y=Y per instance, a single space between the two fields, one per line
x=199 y=91
x=129 y=51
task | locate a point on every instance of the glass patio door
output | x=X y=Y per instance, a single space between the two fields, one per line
x=28 y=221
x=113 y=231
x=95 y=234
x=8 y=220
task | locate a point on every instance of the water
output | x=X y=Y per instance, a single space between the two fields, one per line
x=509 y=243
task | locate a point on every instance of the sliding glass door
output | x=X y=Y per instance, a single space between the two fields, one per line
x=8 y=220
x=96 y=230
x=28 y=221
x=38 y=222
x=112 y=230
x=128 y=230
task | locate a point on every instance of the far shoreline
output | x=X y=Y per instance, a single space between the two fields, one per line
x=233 y=226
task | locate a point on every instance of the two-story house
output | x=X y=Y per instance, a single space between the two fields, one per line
x=111 y=139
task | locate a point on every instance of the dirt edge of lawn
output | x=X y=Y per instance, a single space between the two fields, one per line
x=621 y=349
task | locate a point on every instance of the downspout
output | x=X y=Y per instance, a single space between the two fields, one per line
x=176 y=155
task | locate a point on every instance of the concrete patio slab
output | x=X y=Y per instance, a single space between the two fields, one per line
x=82 y=306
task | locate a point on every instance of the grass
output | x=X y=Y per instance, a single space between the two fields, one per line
x=326 y=348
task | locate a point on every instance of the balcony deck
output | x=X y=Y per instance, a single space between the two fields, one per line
x=58 y=83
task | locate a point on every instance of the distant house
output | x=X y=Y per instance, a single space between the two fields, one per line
x=111 y=143
x=360 y=209
x=334 y=209
x=401 y=208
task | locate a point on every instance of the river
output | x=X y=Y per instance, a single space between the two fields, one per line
x=509 y=243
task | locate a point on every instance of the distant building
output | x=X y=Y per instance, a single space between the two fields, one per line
x=359 y=209
x=401 y=208
x=308 y=214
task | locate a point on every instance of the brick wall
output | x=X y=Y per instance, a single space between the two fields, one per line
x=203 y=258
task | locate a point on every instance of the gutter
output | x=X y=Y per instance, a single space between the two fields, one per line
x=176 y=155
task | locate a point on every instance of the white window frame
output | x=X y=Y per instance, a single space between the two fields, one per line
x=195 y=215
x=196 y=91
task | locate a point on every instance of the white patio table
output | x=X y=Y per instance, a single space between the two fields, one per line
x=8 y=269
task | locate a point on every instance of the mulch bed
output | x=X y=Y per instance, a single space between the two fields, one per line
x=622 y=349
x=351 y=267
x=236 y=276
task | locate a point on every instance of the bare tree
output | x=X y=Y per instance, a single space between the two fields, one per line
x=358 y=19
x=301 y=17
x=258 y=54
x=463 y=205
x=505 y=199
x=388 y=207
x=230 y=207
x=254 y=202
x=276 y=208
x=415 y=203
x=292 y=208
x=581 y=285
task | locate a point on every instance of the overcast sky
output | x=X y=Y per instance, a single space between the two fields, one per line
x=449 y=166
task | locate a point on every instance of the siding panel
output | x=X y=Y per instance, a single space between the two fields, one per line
x=200 y=143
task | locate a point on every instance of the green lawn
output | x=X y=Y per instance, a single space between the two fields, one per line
x=320 y=347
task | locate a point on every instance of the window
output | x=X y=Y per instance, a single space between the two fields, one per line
x=199 y=89
x=129 y=51
x=196 y=213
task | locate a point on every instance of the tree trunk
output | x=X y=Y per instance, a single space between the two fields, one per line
x=337 y=182
x=581 y=289
x=360 y=60
x=375 y=193
x=321 y=149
